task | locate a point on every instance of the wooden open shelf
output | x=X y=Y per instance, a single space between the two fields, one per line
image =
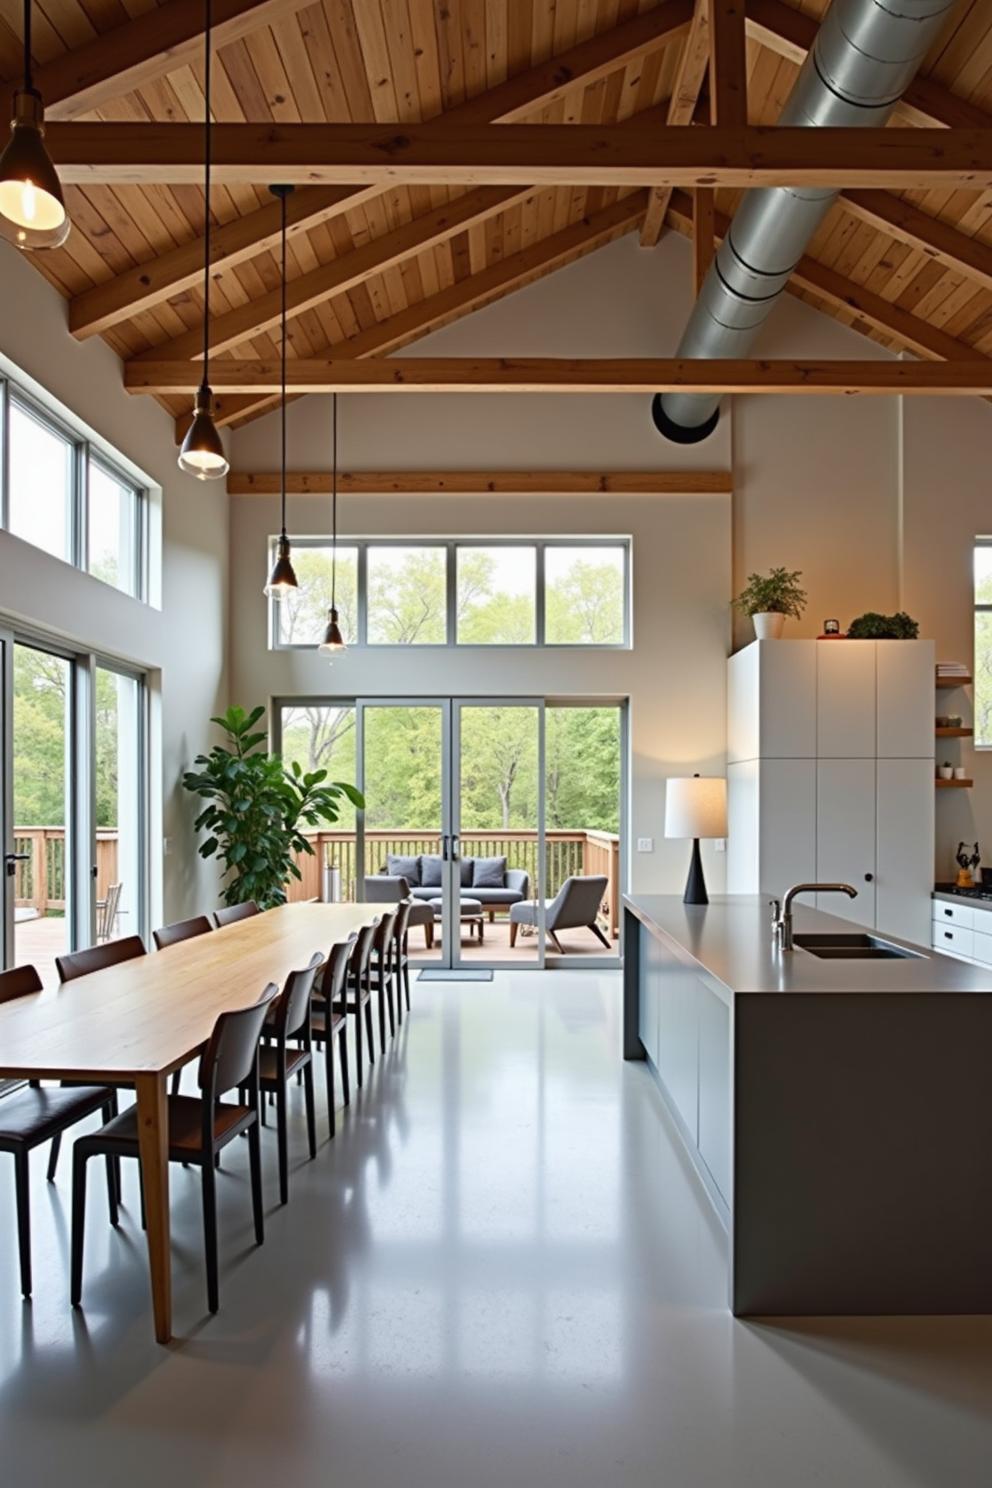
x=954 y=733
x=953 y=681
x=954 y=784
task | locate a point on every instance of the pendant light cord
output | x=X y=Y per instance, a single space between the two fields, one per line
x=28 y=67
x=334 y=499
x=208 y=25
x=283 y=200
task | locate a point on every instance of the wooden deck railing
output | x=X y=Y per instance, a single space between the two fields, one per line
x=566 y=852
x=39 y=883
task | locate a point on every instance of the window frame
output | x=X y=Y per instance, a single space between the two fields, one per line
x=82 y=452
x=451 y=545
x=978 y=608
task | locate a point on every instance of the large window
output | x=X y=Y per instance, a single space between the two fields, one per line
x=450 y=592
x=61 y=494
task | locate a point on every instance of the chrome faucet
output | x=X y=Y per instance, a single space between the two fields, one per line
x=782 y=913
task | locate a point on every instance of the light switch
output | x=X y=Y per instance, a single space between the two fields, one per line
x=720 y=844
x=645 y=844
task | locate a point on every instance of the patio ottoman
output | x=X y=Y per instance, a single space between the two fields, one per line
x=468 y=909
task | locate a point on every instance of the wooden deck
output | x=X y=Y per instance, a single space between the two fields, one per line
x=37 y=942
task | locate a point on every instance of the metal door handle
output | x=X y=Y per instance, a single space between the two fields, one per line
x=12 y=859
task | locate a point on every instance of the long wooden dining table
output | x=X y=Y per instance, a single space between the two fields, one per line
x=134 y=1023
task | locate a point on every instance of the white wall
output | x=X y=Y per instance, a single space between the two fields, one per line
x=183 y=642
x=675 y=676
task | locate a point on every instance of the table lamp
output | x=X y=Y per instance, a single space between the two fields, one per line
x=696 y=806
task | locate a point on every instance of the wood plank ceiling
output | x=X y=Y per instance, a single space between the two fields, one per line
x=405 y=60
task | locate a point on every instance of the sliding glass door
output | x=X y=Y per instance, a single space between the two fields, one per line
x=73 y=799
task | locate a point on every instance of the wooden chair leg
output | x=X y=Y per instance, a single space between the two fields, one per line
x=513 y=933
x=176 y=1077
x=113 y=1190
x=208 y=1174
x=311 y=1108
x=78 y=1226
x=390 y=1009
x=22 y=1184
x=555 y=942
x=255 y=1168
x=345 y=1078
x=53 y=1156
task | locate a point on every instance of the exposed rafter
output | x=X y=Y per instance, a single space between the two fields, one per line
x=483 y=482
x=147 y=285
x=681 y=106
x=395 y=375
x=524 y=154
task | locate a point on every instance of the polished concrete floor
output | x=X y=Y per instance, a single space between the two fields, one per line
x=501 y=1272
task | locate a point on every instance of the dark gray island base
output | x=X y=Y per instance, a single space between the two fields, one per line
x=838 y=1112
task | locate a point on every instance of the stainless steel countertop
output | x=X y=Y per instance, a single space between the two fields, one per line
x=731 y=940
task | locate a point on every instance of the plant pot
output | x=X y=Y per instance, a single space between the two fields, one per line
x=945 y=772
x=768 y=625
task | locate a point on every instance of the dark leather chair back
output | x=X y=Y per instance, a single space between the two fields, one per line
x=336 y=968
x=229 y=1057
x=363 y=949
x=292 y=1015
x=18 y=982
x=181 y=930
x=382 y=937
x=98 y=957
x=231 y=913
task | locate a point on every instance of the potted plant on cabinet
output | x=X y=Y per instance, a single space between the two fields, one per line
x=257 y=810
x=770 y=598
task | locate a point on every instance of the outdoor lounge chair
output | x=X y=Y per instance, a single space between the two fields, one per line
x=574 y=907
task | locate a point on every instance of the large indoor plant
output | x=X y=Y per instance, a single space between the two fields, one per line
x=257 y=809
x=769 y=598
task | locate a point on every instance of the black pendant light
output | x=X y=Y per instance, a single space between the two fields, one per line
x=32 y=208
x=282 y=578
x=202 y=453
x=333 y=639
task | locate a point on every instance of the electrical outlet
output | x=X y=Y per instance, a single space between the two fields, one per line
x=645 y=844
x=720 y=844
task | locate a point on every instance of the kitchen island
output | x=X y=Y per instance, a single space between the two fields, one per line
x=838 y=1112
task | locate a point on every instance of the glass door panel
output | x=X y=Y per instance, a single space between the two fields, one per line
x=41 y=749
x=498 y=816
x=406 y=823
x=583 y=769
x=119 y=856
x=321 y=736
x=9 y=864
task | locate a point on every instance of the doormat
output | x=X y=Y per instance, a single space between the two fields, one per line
x=442 y=974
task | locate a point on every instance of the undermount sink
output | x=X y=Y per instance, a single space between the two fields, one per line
x=856 y=946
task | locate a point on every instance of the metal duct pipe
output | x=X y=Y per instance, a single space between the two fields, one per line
x=864 y=57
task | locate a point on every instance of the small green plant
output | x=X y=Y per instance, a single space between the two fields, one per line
x=872 y=626
x=778 y=592
x=257 y=810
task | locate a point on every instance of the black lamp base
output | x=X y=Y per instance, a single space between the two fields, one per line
x=695 y=884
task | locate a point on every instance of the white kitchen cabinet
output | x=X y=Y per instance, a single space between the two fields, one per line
x=905 y=704
x=904 y=847
x=846 y=699
x=831 y=776
x=845 y=836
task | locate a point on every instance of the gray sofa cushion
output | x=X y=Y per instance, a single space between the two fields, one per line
x=485 y=896
x=430 y=871
x=467 y=866
x=400 y=867
x=489 y=873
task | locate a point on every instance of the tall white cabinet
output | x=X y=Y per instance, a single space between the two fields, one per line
x=830 y=775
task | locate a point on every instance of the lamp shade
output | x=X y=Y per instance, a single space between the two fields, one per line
x=696 y=806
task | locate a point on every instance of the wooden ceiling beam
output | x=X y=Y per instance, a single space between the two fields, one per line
x=703 y=235
x=148 y=284
x=647 y=375
x=461 y=298
x=141 y=50
x=524 y=155
x=728 y=64
x=686 y=89
x=483 y=482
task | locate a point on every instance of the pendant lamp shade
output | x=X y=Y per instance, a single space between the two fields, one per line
x=32 y=207
x=282 y=579
x=202 y=453
x=333 y=639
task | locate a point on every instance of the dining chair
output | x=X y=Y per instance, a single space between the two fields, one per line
x=231 y=913
x=81 y=963
x=199 y=1129
x=329 y=1023
x=401 y=944
x=107 y=911
x=289 y=1021
x=35 y=1114
x=356 y=995
x=181 y=930
x=382 y=970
